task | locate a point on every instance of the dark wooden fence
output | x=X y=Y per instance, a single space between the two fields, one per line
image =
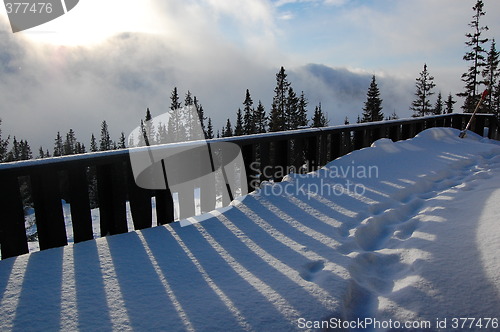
x=111 y=174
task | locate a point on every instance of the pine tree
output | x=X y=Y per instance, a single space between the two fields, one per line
x=372 y=111
x=69 y=146
x=201 y=113
x=319 y=118
x=449 y=104
x=301 y=119
x=93 y=144
x=277 y=115
x=149 y=128
x=24 y=150
x=4 y=143
x=476 y=57
x=210 y=130
x=291 y=110
x=41 y=153
x=260 y=119
x=238 y=128
x=424 y=84
x=228 y=130
x=162 y=134
x=121 y=141
x=248 y=118
x=393 y=116
x=491 y=74
x=439 y=106
x=15 y=151
x=346 y=121
x=175 y=117
x=105 y=143
x=58 y=146
x=80 y=148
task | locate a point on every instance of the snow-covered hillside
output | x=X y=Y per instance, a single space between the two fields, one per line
x=398 y=233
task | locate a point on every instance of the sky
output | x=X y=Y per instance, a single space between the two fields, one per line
x=111 y=59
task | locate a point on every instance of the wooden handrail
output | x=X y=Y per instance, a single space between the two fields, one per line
x=110 y=175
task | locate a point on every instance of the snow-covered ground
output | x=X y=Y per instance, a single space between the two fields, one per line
x=399 y=233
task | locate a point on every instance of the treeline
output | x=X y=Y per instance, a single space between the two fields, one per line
x=288 y=110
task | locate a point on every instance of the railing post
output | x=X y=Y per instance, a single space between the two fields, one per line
x=13 y=240
x=249 y=160
x=48 y=210
x=395 y=132
x=140 y=202
x=111 y=193
x=280 y=159
x=335 y=145
x=312 y=154
x=80 y=204
x=479 y=125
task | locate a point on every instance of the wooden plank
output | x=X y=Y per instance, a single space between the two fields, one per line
x=335 y=145
x=164 y=206
x=80 y=204
x=264 y=160
x=249 y=160
x=312 y=151
x=13 y=240
x=140 y=202
x=111 y=192
x=48 y=210
x=280 y=159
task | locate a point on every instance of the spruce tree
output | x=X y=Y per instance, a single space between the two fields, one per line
x=319 y=118
x=210 y=130
x=105 y=142
x=228 y=130
x=439 y=106
x=449 y=104
x=41 y=153
x=238 y=128
x=149 y=127
x=301 y=119
x=291 y=110
x=249 y=125
x=121 y=141
x=260 y=119
x=175 y=117
x=69 y=146
x=201 y=113
x=491 y=74
x=372 y=111
x=58 y=146
x=424 y=84
x=277 y=115
x=93 y=144
x=475 y=56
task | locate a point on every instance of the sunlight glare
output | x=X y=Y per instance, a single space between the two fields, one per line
x=93 y=21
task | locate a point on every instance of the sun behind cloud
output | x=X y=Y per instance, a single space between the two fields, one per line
x=93 y=21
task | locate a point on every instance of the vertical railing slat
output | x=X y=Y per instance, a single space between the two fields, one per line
x=80 y=205
x=13 y=240
x=48 y=210
x=111 y=192
x=140 y=202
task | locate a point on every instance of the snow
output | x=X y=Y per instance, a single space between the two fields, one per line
x=398 y=232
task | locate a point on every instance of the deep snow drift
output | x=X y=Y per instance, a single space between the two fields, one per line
x=399 y=232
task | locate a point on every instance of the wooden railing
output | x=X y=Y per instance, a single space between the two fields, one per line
x=111 y=173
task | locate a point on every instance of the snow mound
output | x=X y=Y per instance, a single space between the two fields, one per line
x=398 y=232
